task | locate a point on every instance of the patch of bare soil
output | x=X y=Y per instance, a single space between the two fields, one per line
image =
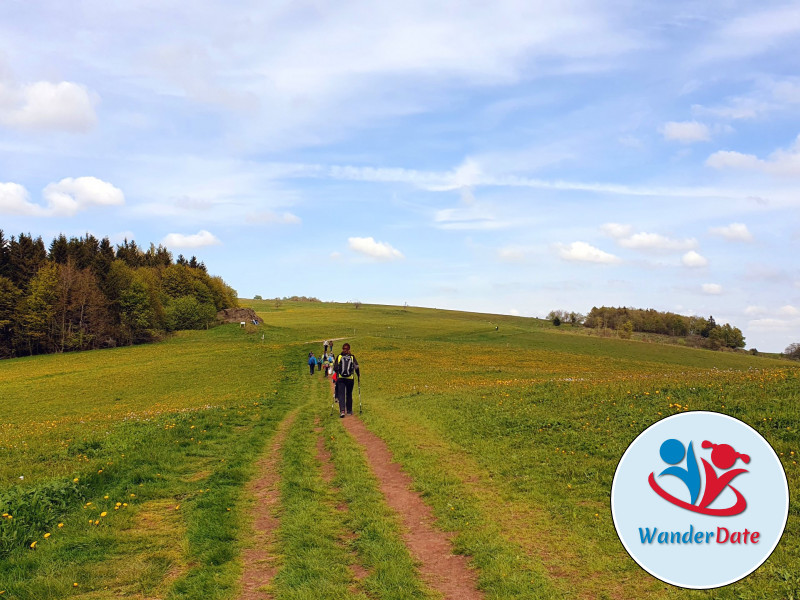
x=445 y=572
x=259 y=568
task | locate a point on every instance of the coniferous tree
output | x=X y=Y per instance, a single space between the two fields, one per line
x=81 y=293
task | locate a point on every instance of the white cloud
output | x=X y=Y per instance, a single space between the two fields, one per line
x=752 y=34
x=654 y=242
x=444 y=181
x=685 y=132
x=64 y=106
x=310 y=76
x=369 y=247
x=69 y=195
x=583 y=252
x=785 y=321
x=472 y=216
x=616 y=230
x=64 y=199
x=273 y=218
x=14 y=200
x=712 y=289
x=772 y=324
x=728 y=159
x=735 y=232
x=785 y=162
x=196 y=240
x=694 y=260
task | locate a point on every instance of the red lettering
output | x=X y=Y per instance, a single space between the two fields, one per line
x=736 y=537
x=720 y=540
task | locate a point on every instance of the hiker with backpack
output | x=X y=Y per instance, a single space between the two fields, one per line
x=346 y=369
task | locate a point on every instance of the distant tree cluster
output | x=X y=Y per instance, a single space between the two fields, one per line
x=297 y=299
x=82 y=293
x=699 y=330
x=563 y=317
x=792 y=351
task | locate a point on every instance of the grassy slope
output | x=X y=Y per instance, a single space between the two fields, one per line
x=529 y=422
x=512 y=435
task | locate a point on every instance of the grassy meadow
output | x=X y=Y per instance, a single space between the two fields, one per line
x=124 y=471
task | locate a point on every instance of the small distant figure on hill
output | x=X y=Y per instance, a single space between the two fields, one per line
x=496 y=327
x=346 y=368
x=312 y=361
x=325 y=345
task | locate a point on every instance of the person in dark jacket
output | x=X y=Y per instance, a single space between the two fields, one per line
x=346 y=368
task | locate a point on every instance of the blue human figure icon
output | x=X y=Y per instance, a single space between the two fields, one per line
x=672 y=452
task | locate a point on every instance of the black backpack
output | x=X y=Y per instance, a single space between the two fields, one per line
x=346 y=365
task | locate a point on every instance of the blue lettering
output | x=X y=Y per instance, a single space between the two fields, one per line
x=647 y=538
x=687 y=537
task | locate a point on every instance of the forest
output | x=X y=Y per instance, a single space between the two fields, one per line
x=697 y=331
x=83 y=293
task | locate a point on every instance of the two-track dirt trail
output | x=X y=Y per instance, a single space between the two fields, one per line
x=444 y=574
x=443 y=571
x=265 y=489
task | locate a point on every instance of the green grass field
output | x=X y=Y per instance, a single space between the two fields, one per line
x=136 y=460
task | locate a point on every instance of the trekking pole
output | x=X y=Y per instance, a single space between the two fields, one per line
x=359 y=396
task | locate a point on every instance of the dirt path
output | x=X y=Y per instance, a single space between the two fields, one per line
x=328 y=475
x=442 y=570
x=258 y=560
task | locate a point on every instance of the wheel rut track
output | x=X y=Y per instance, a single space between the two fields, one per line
x=443 y=571
x=259 y=567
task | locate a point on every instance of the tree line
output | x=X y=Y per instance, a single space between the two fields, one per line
x=699 y=331
x=83 y=293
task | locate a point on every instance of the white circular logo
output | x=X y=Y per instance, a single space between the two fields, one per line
x=699 y=500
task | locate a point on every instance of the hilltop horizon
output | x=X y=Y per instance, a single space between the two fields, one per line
x=513 y=157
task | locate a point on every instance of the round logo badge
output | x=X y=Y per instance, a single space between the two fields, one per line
x=699 y=500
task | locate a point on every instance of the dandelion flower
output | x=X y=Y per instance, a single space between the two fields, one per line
x=103 y=514
x=46 y=535
x=60 y=525
x=33 y=545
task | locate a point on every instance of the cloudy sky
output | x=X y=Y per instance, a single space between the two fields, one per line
x=511 y=157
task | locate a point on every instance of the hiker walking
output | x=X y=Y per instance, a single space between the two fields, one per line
x=325 y=345
x=312 y=362
x=346 y=368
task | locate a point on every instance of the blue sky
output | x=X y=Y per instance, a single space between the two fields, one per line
x=509 y=157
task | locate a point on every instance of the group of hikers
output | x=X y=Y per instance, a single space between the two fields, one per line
x=343 y=370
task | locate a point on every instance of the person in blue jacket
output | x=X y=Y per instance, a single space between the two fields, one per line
x=312 y=361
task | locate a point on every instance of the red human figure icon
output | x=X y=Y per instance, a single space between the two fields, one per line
x=724 y=457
